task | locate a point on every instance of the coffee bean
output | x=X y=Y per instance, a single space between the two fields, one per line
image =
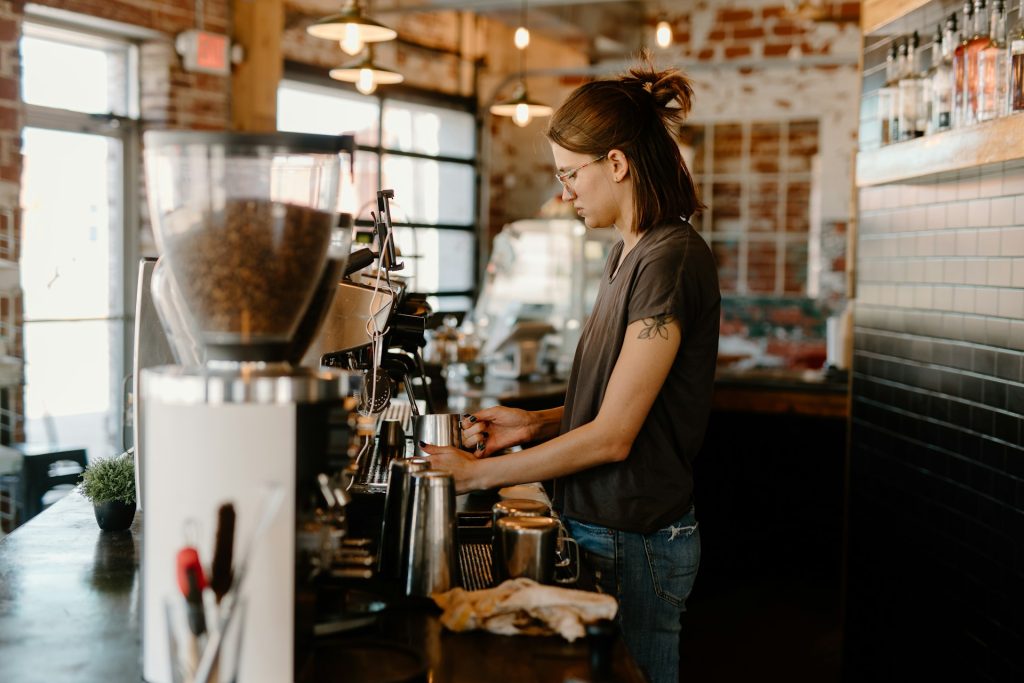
x=247 y=274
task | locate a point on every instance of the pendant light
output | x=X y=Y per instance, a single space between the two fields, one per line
x=351 y=29
x=366 y=74
x=520 y=107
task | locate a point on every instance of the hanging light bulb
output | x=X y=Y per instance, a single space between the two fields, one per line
x=522 y=117
x=353 y=42
x=522 y=38
x=663 y=34
x=365 y=83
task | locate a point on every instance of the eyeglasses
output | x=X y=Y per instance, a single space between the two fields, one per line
x=566 y=176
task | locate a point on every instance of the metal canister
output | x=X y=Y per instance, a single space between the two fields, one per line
x=510 y=507
x=528 y=547
x=395 y=533
x=432 y=562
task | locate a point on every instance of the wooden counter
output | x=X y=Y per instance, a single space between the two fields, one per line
x=800 y=392
x=69 y=612
x=792 y=392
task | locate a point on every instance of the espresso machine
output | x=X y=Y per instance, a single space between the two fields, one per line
x=250 y=263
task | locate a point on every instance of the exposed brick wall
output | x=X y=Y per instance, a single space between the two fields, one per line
x=11 y=118
x=170 y=96
x=170 y=16
x=740 y=29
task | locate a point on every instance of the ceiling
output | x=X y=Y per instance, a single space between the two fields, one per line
x=604 y=28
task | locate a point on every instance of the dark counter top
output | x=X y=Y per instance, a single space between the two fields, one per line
x=529 y=394
x=69 y=612
x=68 y=608
x=759 y=390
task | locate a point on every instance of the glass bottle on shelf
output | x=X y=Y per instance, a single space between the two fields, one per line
x=1016 y=53
x=979 y=41
x=992 y=67
x=960 y=65
x=911 y=123
x=942 y=79
x=928 y=92
x=900 y=72
x=887 y=98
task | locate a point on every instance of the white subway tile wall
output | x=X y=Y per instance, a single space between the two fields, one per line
x=950 y=244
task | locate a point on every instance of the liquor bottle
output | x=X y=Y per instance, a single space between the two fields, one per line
x=899 y=73
x=979 y=41
x=960 y=64
x=887 y=99
x=923 y=93
x=928 y=92
x=992 y=67
x=911 y=123
x=942 y=80
x=1016 y=42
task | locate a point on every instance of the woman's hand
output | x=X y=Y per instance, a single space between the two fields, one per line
x=463 y=466
x=494 y=429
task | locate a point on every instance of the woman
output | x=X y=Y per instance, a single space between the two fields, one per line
x=621 y=449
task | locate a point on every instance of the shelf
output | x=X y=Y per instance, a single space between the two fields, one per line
x=986 y=143
x=874 y=14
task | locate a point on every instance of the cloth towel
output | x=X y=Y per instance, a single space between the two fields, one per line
x=523 y=606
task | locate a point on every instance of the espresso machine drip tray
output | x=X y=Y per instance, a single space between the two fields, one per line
x=475 y=563
x=373 y=473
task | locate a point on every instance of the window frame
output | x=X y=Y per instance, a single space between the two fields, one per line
x=748 y=178
x=303 y=74
x=125 y=128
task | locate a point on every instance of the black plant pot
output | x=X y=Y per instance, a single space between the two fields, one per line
x=114 y=515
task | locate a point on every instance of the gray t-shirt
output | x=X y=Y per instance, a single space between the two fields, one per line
x=670 y=271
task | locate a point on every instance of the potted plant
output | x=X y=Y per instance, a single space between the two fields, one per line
x=110 y=485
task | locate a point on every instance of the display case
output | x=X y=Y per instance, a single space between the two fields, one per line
x=542 y=270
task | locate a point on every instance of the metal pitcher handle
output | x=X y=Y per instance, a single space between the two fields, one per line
x=569 y=550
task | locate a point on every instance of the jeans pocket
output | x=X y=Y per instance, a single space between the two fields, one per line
x=673 y=556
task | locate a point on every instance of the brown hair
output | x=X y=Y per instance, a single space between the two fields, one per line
x=636 y=114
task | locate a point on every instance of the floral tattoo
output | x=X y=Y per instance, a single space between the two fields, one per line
x=655 y=327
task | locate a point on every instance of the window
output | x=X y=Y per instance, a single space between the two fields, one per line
x=77 y=235
x=426 y=153
x=755 y=178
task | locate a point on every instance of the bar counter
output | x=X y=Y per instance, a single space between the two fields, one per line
x=69 y=612
x=810 y=393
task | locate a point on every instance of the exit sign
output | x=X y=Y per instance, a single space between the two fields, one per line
x=204 y=52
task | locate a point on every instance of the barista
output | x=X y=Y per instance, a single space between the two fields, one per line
x=621 y=449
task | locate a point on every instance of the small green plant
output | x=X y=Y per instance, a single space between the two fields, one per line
x=110 y=479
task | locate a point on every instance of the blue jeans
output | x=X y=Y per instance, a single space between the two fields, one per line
x=651 y=576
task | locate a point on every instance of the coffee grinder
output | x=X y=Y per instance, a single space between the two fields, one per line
x=246 y=228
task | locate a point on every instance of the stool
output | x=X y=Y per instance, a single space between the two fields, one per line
x=9 y=485
x=43 y=467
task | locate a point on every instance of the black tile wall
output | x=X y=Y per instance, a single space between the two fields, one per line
x=936 y=510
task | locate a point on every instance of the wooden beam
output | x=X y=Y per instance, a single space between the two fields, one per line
x=258 y=27
x=874 y=14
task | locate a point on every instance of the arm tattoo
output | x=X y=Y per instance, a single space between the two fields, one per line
x=655 y=327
